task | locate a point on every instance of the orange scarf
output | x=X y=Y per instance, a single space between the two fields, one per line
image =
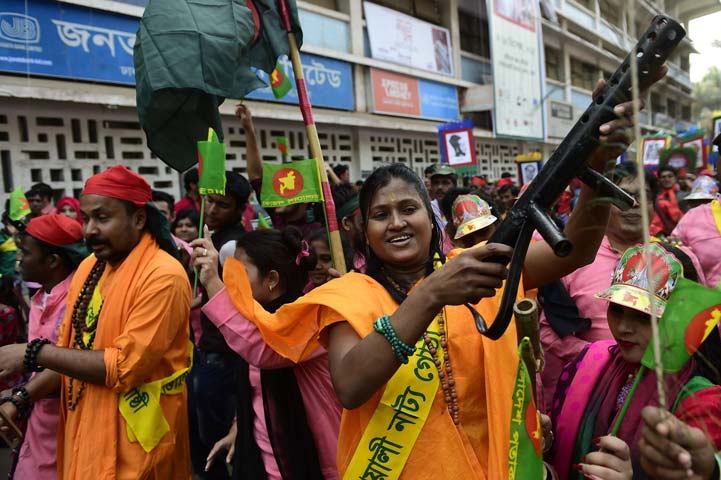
x=484 y=370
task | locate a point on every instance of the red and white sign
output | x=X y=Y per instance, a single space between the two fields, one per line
x=395 y=94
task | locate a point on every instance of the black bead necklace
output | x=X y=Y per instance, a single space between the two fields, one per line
x=80 y=327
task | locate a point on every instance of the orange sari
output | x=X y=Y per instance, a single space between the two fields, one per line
x=484 y=371
x=143 y=330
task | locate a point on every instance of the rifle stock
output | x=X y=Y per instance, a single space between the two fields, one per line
x=570 y=160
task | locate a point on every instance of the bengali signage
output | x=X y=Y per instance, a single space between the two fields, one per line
x=396 y=94
x=62 y=40
x=329 y=82
x=400 y=38
x=516 y=60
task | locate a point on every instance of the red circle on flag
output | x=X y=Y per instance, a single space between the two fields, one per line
x=287 y=182
x=700 y=326
x=533 y=427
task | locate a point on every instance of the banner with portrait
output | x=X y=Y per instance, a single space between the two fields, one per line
x=651 y=148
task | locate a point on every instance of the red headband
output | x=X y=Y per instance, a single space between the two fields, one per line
x=121 y=183
x=57 y=230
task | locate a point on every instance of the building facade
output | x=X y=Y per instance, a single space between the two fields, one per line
x=63 y=121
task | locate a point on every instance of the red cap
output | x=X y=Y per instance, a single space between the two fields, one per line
x=504 y=181
x=55 y=229
x=121 y=183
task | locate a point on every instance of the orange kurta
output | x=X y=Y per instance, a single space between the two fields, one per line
x=484 y=371
x=143 y=330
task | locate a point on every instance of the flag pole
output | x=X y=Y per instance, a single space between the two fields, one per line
x=201 y=224
x=306 y=110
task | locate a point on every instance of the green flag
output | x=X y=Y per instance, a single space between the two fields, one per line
x=282 y=143
x=19 y=207
x=190 y=56
x=289 y=183
x=524 y=454
x=279 y=81
x=211 y=166
x=692 y=312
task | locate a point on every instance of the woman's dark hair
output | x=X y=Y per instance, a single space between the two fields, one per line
x=278 y=250
x=708 y=355
x=322 y=235
x=379 y=179
x=188 y=213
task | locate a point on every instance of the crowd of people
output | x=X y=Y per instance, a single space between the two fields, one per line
x=278 y=367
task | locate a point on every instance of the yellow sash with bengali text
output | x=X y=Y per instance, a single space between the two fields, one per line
x=388 y=439
x=140 y=407
x=716 y=212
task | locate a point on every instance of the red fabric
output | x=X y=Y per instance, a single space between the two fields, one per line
x=121 y=183
x=74 y=204
x=504 y=181
x=702 y=410
x=667 y=214
x=186 y=203
x=564 y=203
x=55 y=229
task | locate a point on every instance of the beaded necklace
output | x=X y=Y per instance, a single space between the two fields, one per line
x=448 y=383
x=80 y=326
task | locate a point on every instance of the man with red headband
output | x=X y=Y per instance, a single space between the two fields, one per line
x=50 y=250
x=123 y=352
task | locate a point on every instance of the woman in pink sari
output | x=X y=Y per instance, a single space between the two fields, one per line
x=593 y=388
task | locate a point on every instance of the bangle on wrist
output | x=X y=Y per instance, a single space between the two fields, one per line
x=22 y=393
x=30 y=361
x=383 y=326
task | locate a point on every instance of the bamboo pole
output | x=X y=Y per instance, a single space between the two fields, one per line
x=306 y=110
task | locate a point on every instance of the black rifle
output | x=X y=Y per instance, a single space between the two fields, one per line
x=569 y=161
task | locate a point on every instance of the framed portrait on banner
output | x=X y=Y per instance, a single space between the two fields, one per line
x=458 y=147
x=651 y=147
x=527 y=171
x=716 y=122
x=695 y=140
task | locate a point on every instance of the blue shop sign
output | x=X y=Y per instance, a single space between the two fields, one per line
x=329 y=83
x=438 y=100
x=62 y=40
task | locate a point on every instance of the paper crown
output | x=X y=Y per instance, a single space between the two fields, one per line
x=470 y=214
x=630 y=281
x=704 y=188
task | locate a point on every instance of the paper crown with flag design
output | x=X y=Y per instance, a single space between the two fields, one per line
x=470 y=214
x=630 y=281
x=704 y=188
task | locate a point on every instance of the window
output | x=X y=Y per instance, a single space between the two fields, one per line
x=473 y=27
x=583 y=75
x=686 y=112
x=428 y=10
x=671 y=107
x=554 y=64
x=611 y=12
x=589 y=4
x=329 y=4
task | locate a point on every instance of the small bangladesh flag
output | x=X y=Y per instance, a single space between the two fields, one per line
x=211 y=165
x=692 y=312
x=282 y=143
x=525 y=461
x=19 y=207
x=279 y=82
x=289 y=183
